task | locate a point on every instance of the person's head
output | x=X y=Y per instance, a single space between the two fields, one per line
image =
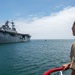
x=73 y=28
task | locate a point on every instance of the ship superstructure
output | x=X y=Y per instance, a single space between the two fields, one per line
x=9 y=34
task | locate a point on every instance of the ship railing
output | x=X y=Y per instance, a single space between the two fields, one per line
x=60 y=69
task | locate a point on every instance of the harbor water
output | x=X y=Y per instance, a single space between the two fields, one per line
x=34 y=57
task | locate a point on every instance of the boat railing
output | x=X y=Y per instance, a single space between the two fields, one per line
x=60 y=69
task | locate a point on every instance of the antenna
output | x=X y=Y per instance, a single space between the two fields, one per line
x=12 y=22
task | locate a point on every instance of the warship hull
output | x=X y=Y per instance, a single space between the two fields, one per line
x=6 y=37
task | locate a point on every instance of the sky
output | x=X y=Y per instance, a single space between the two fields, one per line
x=42 y=19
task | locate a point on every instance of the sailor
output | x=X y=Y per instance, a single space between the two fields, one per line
x=72 y=54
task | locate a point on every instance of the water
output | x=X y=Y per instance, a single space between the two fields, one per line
x=34 y=57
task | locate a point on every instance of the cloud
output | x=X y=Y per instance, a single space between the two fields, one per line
x=55 y=26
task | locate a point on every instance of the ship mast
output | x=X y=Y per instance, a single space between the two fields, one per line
x=6 y=24
x=13 y=26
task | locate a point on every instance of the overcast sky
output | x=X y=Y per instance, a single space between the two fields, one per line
x=42 y=19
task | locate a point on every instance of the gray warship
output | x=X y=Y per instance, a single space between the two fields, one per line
x=10 y=35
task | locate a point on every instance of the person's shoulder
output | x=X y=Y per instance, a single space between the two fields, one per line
x=73 y=45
